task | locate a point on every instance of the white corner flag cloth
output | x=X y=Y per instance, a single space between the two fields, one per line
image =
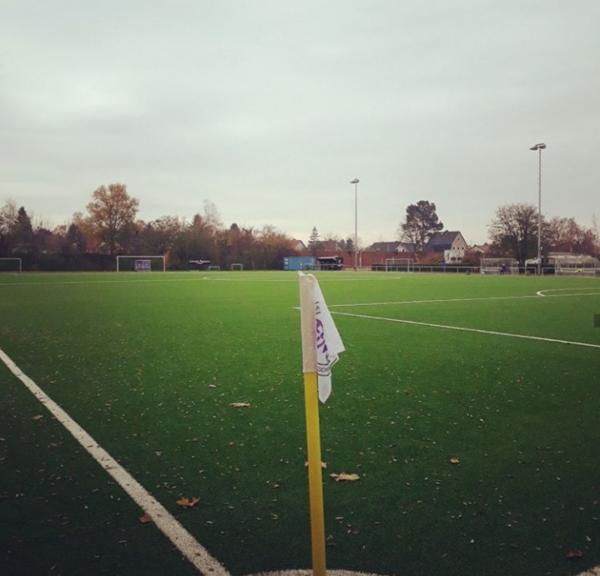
x=327 y=342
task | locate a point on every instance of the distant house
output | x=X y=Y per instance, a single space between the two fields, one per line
x=327 y=247
x=451 y=245
x=481 y=249
x=391 y=247
x=383 y=247
x=298 y=245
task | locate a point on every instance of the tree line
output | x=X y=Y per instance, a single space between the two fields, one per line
x=513 y=232
x=110 y=227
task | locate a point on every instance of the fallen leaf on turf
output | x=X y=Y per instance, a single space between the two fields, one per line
x=37 y=417
x=574 y=554
x=454 y=460
x=343 y=477
x=188 y=502
x=146 y=518
x=323 y=464
x=240 y=404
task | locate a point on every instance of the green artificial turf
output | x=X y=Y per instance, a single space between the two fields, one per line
x=149 y=365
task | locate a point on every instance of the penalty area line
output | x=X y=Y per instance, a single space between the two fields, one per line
x=465 y=329
x=537 y=296
x=162 y=518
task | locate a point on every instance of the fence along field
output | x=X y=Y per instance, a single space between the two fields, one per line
x=151 y=365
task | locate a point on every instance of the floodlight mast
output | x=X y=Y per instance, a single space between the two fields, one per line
x=355 y=182
x=539 y=147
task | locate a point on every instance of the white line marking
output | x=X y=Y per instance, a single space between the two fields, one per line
x=433 y=300
x=92 y=282
x=170 y=527
x=290 y=280
x=586 y=293
x=464 y=329
x=477 y=299
x=445 y=300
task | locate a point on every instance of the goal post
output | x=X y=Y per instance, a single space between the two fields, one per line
x=142 y=263
x=498 y=266
x=398 y=265
x=236 y=266
x=575 y=265
x=11 y=265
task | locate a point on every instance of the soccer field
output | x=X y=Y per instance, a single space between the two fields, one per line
x=499 y=374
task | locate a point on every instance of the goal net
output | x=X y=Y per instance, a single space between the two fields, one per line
x=236 y=266
x=398 y=265
x=498 y=266
x=141 y=264
x=11 y=265
x=576 y=265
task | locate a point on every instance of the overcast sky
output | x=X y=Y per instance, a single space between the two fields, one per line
x=269 y=108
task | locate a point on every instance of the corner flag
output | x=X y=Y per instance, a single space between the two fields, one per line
x=321 y=345
x=323 y=338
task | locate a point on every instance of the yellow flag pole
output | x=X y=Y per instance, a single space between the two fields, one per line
x=313 y=437
x=315 y=477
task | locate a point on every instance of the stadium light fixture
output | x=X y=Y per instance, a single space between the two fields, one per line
x=539 y=147
x=355 y=182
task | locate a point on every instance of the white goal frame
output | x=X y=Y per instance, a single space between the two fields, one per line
x=237 y=266
x=494 y=265
x=575 y=265
x=143 y=257
x=213 y=268
x=18 y=260
x=399 y=264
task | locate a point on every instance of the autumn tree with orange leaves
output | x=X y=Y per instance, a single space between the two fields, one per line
x=112 y=213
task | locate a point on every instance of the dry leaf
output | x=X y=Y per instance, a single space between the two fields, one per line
x=454 y=460
x=574 y=554
x=323 y=464
x=188 y=502
x=146 y=518
x=343 y=477
x=37 y=417
x=240 y=404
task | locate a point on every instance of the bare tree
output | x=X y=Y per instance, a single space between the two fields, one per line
x=8 y=223
x=596 y=231
x=514 y=231
x=565 y=235
x=212 y=216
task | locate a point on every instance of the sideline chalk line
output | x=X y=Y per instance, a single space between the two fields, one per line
x=164 y=521
x=475 y=299
x=195 y=279
x=465 y=329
